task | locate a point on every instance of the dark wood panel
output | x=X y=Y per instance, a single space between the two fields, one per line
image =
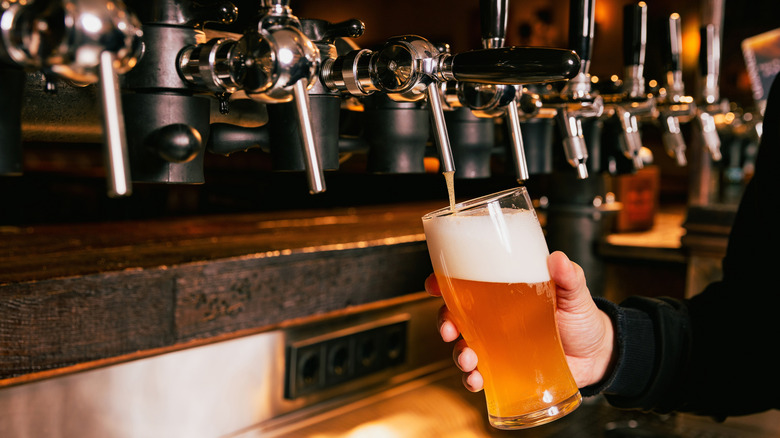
x=249 y=292
x=56 y=323
x=77 y=296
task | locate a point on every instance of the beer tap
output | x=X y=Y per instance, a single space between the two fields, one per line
x=709 y=65
x=284 y=65
x=672 y=103
x=410 y=68
x=273 y=64
x=489 y=100
x=85 y=42
x=575 y=100
x=632 y=102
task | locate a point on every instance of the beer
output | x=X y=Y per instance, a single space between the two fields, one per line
x=491 y=265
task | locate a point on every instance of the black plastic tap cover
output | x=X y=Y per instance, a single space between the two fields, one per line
x=515 y=65
x=581 y=27
x=634 y=33
x=493 y=18
x=673 y=49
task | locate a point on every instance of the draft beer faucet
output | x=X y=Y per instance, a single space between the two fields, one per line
x=673 y=105
x=709 y=65
x=488 y=100
x=575 y=100
x=274 y=63
x=633 y=101
x=85 y=42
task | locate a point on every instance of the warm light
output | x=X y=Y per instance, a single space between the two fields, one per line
x=91 y=23
x=691 y=40
x=604 y=15
x=652 y=83
x=431 y=164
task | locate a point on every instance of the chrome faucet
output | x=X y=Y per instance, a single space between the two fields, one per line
x=94 y=42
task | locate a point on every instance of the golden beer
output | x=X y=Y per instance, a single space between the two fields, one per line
x=490 y=259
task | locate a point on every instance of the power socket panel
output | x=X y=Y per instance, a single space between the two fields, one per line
x=324 y=361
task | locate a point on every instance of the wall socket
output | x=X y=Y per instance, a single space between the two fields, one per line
x=324 y=361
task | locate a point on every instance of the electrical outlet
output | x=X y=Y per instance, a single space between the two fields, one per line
x=308 y=372
x=325 y=361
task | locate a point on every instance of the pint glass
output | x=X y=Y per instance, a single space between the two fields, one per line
x=490 y=259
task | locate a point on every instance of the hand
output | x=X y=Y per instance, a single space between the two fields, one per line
x=586 y=332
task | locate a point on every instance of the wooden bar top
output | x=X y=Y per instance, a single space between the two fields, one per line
x=41 y=252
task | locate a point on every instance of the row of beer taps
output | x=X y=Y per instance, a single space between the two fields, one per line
x=157 y=73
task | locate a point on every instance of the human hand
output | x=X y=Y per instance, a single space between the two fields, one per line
x=586 y=332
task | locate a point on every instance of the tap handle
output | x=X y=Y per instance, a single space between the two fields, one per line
x=709 y=62
x=634 y=33
x=493 y=18
x=581 y=29
x=513 y=65
x=673 y=52
x=709 y=53
x=634 y=46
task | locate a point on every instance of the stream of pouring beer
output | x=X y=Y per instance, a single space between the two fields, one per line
x=449 y=178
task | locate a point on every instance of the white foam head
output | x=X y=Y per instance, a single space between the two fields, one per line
x=498 y=246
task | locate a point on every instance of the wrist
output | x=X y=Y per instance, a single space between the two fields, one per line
x=607 y=356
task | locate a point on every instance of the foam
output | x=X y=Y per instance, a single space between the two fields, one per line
x=508 y=247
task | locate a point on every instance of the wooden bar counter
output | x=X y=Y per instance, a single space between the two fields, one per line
x=84 y=295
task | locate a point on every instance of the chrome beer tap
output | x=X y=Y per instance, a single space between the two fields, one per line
x=575 y=101
x=274 y=63
x=284 y=64
x=709 y=63
x=85 y=42
x=410 y=68
x=673 y=105
x=633 y=102
x=489 y=100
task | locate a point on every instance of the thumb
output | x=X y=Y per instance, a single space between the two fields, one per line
x=569 y=278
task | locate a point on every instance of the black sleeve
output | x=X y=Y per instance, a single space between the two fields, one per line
x=714 y=353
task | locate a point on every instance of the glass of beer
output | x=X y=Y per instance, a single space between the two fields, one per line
x=489 y=256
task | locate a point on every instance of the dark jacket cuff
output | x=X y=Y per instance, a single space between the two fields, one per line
x=635 y=343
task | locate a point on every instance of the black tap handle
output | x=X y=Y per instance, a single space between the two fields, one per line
x=673 y=52
x=634 y=33
x=581 y=27
x=515 y=65
x=493 y=18
x=711 y=27
x=709 y=56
